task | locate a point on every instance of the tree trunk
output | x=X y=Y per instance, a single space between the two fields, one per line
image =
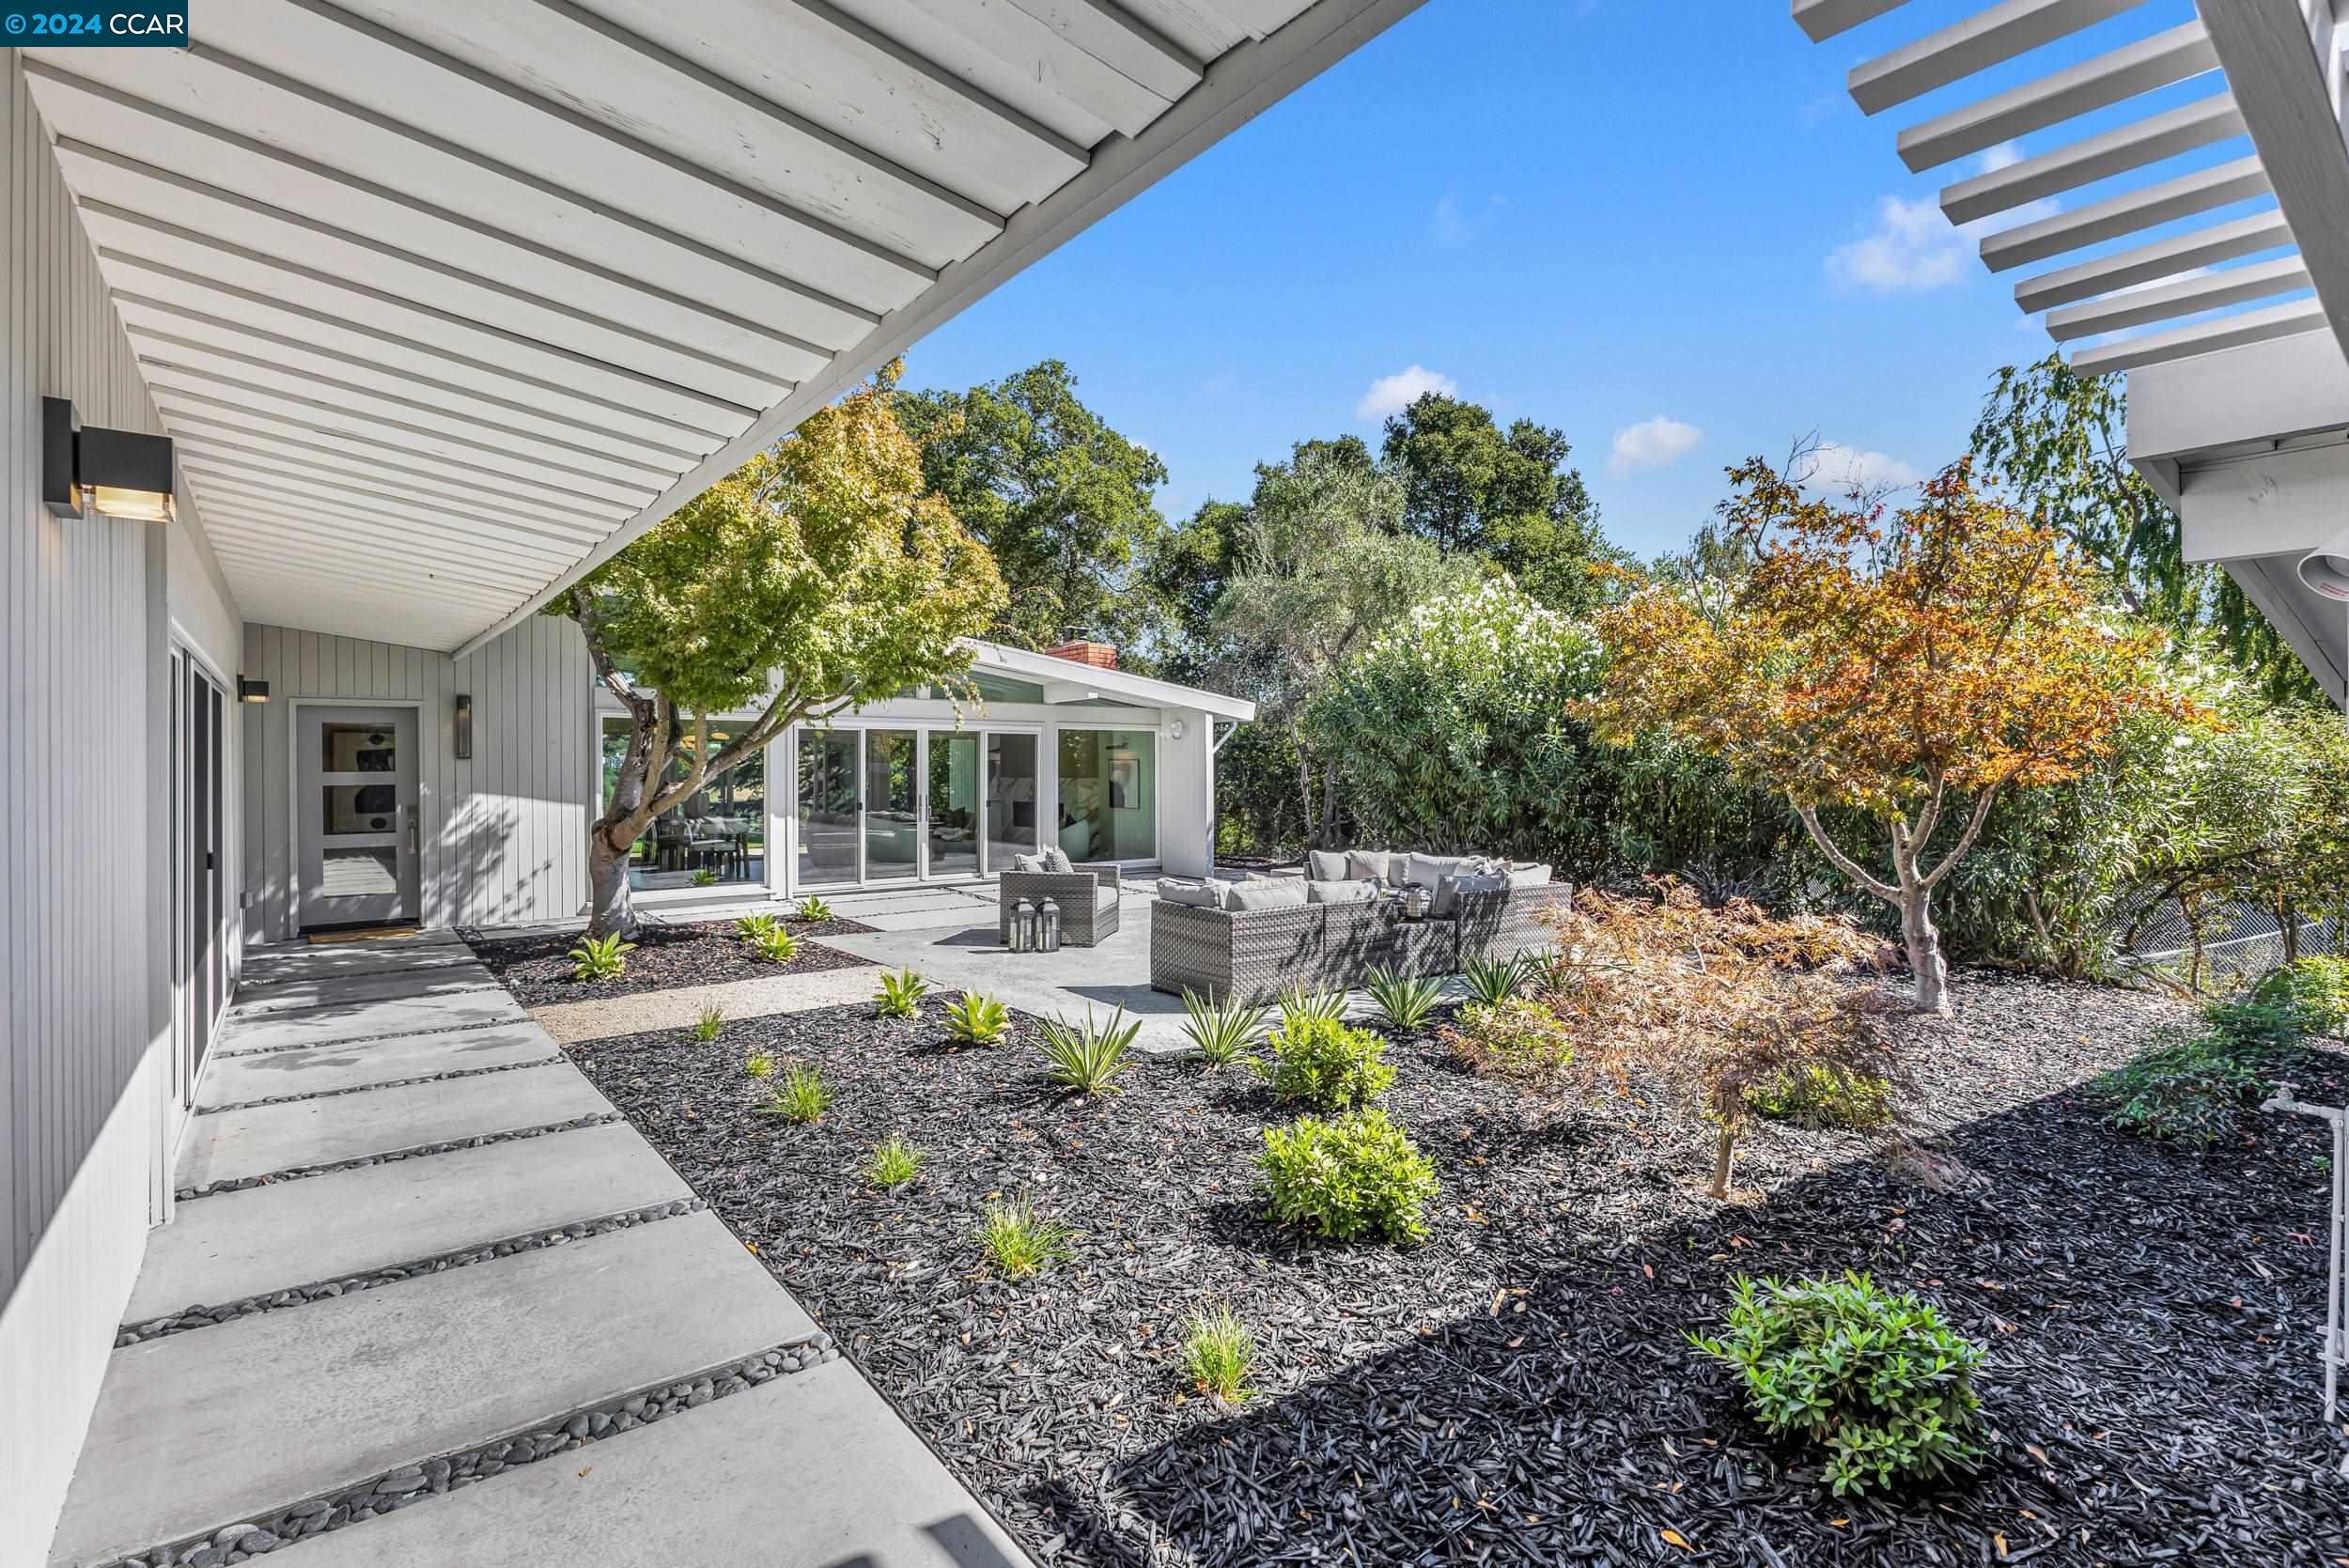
x=1328 y=803
x=1923 y=941
x=1724 y=1157
x=610 y=910
x=1305 y=796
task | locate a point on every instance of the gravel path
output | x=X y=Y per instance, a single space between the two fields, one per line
x=537 y=968
x=647 y=1012
x=1519 y=1388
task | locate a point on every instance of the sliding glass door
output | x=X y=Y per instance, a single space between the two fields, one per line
x=893 y=797
x=905 y=804
x=829 y=810
x=951 y=804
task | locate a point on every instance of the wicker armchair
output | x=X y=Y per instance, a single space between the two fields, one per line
x=1085 y=918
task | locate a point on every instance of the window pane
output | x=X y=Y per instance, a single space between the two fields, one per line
x=358 y=749
x=828 y=806
x=954 y=804
x=716 y=836
x=1010 y=799
x=891 y=823
x=362 y=808
x=1109 y=795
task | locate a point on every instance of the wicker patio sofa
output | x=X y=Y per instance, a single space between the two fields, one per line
x=1087 y=895
x=1254 y=955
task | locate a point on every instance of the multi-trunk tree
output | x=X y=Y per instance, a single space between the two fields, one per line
x=1912 y=664
x=819 y=575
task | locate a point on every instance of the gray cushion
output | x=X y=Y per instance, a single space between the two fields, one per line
x=1428 y=871
x=1373 y=865
x=1287 y=893
x=1529 y=876
x=1027 y=862
x=1103 y=895
x=1184 y=890
x=1056 y=859
x=1447 y=900
x=1325 y=866
x=1341 y=891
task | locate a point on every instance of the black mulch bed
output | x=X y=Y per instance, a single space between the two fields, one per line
x=1519 y=1388
x=537 y=968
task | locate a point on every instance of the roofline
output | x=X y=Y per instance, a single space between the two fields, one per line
x=1148 y=690
x=1238 y=85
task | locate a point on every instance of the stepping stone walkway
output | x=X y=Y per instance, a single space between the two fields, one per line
x=420 y=1331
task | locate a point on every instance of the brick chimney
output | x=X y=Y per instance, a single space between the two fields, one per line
x=1101 y=656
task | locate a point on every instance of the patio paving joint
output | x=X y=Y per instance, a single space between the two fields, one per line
x=238 y=1184
x=339 y=1041
x=370 y=1088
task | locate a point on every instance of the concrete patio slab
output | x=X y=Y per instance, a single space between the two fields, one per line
x=229 y=1145
x=861 y=1490
x=573 y=1021
x=317 y=1070
x=346 y=990
x=200 y=1430
x=266 y=970
x=366 y=1020
x=262 y=1239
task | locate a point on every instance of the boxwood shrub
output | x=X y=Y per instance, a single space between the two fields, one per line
x=1346 y=1178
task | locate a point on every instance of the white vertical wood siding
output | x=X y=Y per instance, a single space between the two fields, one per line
x=85 y=1102
x=504 y=834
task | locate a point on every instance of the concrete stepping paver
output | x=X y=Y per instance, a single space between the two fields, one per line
x=701 y=1488
x=346 y=990
x=229 y=1145
x=365 y=1020
x=235 y=1245
x=317 y=1070
x=200 y=1430
x=260 y=977
x=679 y=1006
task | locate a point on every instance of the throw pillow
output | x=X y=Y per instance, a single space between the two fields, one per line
x=1325 y=866
x=1184 y=890
x=1287 y=893
x=1529 y=876
x=1448 y=891
x=1337 y=891
x=1428 y=871
x=1056 y=859
x=1369 y=866
x=1027 y=862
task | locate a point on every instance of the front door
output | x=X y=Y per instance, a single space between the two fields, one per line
x=358 y=812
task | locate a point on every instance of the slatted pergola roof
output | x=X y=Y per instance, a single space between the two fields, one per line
x=444 y=303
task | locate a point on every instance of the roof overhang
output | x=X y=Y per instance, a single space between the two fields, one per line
x=1066 y=681
x=446 y=304
x=2220 y=283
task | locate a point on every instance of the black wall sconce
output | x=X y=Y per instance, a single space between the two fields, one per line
x=120 y=473
x=252 y=690
x=464 y=728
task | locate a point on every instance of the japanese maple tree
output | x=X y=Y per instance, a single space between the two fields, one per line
x=1911 y=663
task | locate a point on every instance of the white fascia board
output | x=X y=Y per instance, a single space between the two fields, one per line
x=1236 y=86
x=2282 y=504
x=1078 y=682
x=2263 y=392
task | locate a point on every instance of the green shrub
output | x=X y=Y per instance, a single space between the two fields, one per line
x=2260 y=1027
x=2315 y=988
x=1405 y=1000
x=813 y=910
x=600 y=958
x=977 y=1019
x=1824 y=1094
x=707 y=1024
x=1517 y=1037
x=2187 y=1089
x=1223 y=1031
x=894 y=1161
x=705 y=878
x=1217 y=1354
x=751 y=927
x=1088 y=1057
x=759 y=1065
x=1300 y=1006
x=1328 y=1065
x=1018 y=1240
x=1352 y=1175
x=900 y=994
x=1873 y=1378
x=775 y=945
x=1492 y=980
x=802 y=1097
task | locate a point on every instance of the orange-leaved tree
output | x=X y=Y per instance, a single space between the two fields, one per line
x=1911 y=663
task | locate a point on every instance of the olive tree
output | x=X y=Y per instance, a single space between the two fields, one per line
x=818 y=576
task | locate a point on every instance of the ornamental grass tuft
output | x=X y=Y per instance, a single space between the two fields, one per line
x=1020 y=1241
x=1217 y=1354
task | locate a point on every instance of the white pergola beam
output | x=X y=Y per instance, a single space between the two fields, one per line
x=2130 y=212
x=2229 y=332
x=2163 y=259
x=2279 y=70
x=1824 y=18
x=2134 y=145
x=2261 y=280
x=1991 y=37
x=2181 y=53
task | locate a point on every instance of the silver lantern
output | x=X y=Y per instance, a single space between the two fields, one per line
x=1022 y=936
x=1048 y=927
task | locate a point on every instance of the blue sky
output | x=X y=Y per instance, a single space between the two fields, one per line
x=1588 y=212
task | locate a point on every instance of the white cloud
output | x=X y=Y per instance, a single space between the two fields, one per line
x=1657 y=443
x=1914 y=246
x=1837 y=470
x=1391 y=394
x=2004 y=156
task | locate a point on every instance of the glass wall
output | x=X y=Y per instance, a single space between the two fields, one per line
x=954 y=804
x=715 y=836
x=1010 y=799
x=892 y=823
x=1109 y=795
x=828 y=809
